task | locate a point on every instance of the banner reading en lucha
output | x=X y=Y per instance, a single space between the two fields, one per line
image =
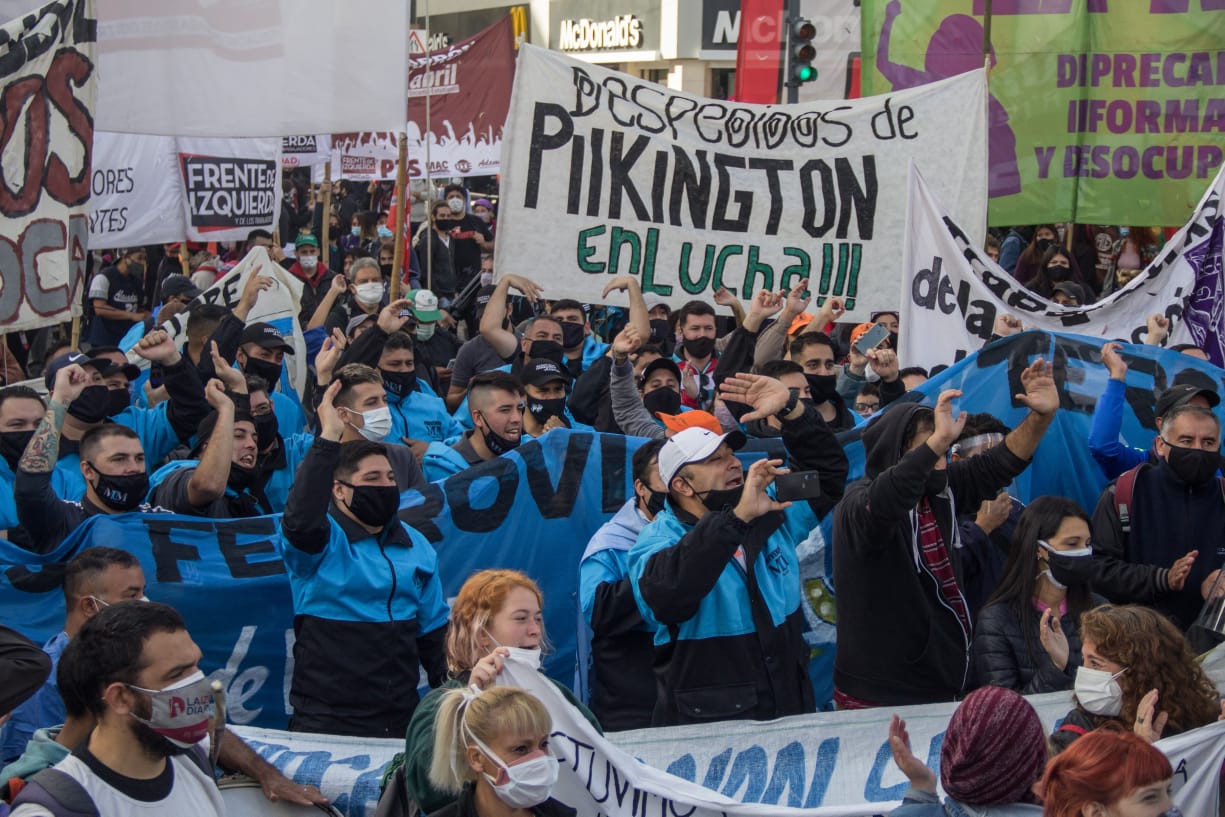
x=607 y=174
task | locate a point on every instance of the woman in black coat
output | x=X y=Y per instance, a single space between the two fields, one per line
x=1027 y=637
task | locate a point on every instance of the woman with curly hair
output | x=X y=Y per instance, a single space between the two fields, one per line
x=1108 y=772
x=1138 y=673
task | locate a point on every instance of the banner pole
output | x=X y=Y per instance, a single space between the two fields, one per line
x=397 y=263
x=184 y=259
x=987 y=33
x=325 y=228
x=429 y=176
x=75 y=341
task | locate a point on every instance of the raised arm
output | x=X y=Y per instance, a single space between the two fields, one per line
x=503 y=341
x=305 y=523
x=208 y=481
x=638 y=306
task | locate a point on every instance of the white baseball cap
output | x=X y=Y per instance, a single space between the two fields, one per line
x=692 y=445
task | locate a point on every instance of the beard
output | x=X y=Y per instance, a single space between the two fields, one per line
x=153 y=744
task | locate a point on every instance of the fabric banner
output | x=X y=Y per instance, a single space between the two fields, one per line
x=468 y=88
x=952 y=293
x=305 y=151
x=609 y=175
x=157 y=189
x=1101 y=113
x=238 y=68
x=49 y=90
x=758 y=49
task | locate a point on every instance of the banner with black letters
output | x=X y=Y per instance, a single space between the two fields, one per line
x=606 y=174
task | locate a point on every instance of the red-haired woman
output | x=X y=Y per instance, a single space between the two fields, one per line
x=1108 y=773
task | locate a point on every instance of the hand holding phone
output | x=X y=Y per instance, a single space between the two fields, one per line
x=797 y=485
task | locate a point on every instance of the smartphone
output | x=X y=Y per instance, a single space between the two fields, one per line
x=872 y=338
x=797 y=485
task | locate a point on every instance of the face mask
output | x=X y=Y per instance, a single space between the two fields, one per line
x=369 y=294
x=376 y=424
x=456 y=205
x=136 y=269
x=655 y=502
x=1050 y=577
x=496 y=443
x=936 y=482
x=1043 y=244
x=1193 y=465
x=121 y=492
x=700 y=347
x=385 y=270
x=664 y=399
x=355 y=231
x=527 y=783
x=542 y=410
x=546 y=349
x=485 y=216
x=572 y=335
x=660 y=331
x=1098 y=691
x=425 y=331
x=1068 y=567
x=181 y=712
x=266 y=428
x=13 y=445
x=116 y=401
x=527 y=656
x=892 y=341
x=374 y=505
x=824 y=387
x=91 y=405
x=241 y=479
x=717 y=500
x=384 y=232
x=1058 y=272
x=308 y=262
x=399 y=384
x=270 y=372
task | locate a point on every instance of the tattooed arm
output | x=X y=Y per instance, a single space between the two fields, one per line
x=43 y=450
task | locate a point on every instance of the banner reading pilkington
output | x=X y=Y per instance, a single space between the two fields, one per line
x=49 y=87
x=606 y=174
x=952 y=293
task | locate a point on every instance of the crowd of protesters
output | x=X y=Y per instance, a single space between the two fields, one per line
x=691 y=590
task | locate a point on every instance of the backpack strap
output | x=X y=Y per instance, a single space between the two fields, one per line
x=59 y=793
x=1124 y=488
x=199 y=757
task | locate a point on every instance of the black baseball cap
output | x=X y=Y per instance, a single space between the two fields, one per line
x=176 y=285
x=1182 y=394
x=664 y=362
x=267 y=336
x=541 y=371
x=67 y=359
x=1071 y=289
x=108 y=367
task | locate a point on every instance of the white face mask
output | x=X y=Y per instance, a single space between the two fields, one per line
x=376 y=424
x=308 y=262
x=369 y=294
x=1098 y=691
x=425 y=331
x=456 y=205
x=528 y=656
x=529 y=782
x=1050 y=577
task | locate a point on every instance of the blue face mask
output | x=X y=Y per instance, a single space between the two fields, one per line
x=384 y=232
x=355 y=231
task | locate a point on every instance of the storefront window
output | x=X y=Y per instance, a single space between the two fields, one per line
x=656 y=75
x=722 y=82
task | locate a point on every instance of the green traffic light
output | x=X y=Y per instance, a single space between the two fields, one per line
x=805 y=73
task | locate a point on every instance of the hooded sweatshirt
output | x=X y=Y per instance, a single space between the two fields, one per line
x=899 y=640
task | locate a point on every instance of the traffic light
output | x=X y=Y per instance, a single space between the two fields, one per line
x=800 y=51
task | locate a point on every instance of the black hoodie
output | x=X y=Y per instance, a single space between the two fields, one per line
x=899 y=642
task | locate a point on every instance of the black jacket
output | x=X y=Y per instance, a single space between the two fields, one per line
x=899 y=643
x=1003 y=657
x=23 y=668
x=1168 y=519
x=590 y=401
x=465 y=806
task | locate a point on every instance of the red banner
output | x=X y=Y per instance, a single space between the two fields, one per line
x=758 y=51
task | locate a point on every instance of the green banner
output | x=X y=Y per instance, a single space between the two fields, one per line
x=1101 y=111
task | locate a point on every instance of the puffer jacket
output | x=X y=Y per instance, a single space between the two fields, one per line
x=1002 y=657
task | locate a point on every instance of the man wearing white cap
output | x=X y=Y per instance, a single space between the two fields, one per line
x=436 y=346
x=716 y=574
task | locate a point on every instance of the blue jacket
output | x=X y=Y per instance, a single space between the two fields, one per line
x=925 y=804
x=44 y=709
x=421 y=415
x=441 y=461
x=729 y=639
x=1111 y=454
x=350 y=587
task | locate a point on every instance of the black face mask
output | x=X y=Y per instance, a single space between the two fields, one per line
x=542 y=410
x=266 y=429
x=661 y=332
x=385 y=269
x=1072 y=570
x=116 y=401
x=242 y=479
x=824 y=387
x=399 y=384
x=91 y=405
x=546 y=349
x=121 y=493
x=725 y=498
x=808 y=401
x=1192 y=465
x=936 y=482
x=1043 y=244
x=892 y=341
x=374 y=505
x=496 y=443
x=700 y=347
x=271 y=372
x=664 y=399
x=1058 y=272
x=655 y=503
x=572 y=334
x=13 y=445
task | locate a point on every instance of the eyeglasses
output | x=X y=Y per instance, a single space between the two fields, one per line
x=867 y=406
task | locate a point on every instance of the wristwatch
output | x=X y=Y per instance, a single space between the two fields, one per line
x=792 y=402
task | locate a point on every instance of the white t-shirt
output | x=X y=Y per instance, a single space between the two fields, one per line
x=191 y=792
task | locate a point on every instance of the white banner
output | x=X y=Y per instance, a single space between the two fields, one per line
x=952 y=293
x=305 y=151
x=157 y=189
x=607 y=174
x=835 y=764
x=252 y=67
x=49 y=86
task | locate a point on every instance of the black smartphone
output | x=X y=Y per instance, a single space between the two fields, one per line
x=797 y=485
x=871 y=339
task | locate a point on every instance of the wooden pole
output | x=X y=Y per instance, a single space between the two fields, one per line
x=184 y=258
x=75 y=340
x=326 y=227
x=402 y=211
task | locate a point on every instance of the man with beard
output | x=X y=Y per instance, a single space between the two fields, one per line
x=716 y=575
x=137 y=669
